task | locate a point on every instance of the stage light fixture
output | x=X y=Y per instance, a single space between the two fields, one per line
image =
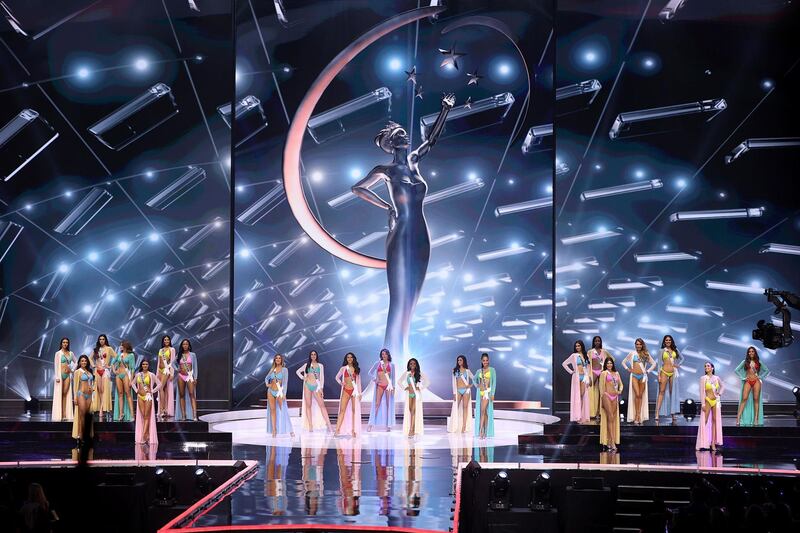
x=202 y=480
x=540 y=493
x=796 y=392
x=500 y=492
x=623 y=409
x=31 y=406
x=689 y=409
x=165 y=488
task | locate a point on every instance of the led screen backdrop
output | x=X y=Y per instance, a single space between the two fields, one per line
x=672 y=225
x=115 y=188
x=488 y=205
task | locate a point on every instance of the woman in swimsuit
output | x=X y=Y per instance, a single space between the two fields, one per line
x=486 y=382
x=82 y=387
x=581 y=385
x=597 y=354
x=381 y=413
x=751 y=405
x=610 y=390
x=187 y=382
x=413 y=381
x=101 y=361
x=122 y=365
x=460 y=415
x=166 y=374
x=64 y=363
x=277 y=380
x=669 y=362
x=145 y=384
x=639 y=364
x=349 y=377
x=709 y=430
x=313 y=414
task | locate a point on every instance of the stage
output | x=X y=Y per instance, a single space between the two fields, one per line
x=775 y=444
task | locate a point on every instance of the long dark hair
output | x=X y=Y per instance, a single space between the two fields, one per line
x=388 y=355
x=466 y=366
x=597 y=337
x=674 y=346
x=613 y=365
x=180 y=346
x=713 y=368
x=355 y=362
x=308 y=364
x=149 y=365
x=166 y=337
x=417 y=372
x=582 y=352
x=88 y=363
x=756 y=359
x=62 y=342
x=96 y=353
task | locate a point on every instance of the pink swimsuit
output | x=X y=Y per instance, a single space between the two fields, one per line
x=186 y=360
x=612 y=397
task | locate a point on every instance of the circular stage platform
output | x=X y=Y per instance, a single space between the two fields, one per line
x=249 y=427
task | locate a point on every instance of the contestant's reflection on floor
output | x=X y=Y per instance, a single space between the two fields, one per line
x=608 y=458
x=706 y=459
x=412 y=470
x=383 y=459
x=145 y=452
x=348 y=457
x=313 y=461
x=275 y=479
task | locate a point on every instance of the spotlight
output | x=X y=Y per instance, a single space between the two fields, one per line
x=83 y=73
x=500 y=492
x=31 y=406
x=202 y=481
x=689 y=409
x=540 y=493
x=141 y=64
x=165 y=488
x=796 y=392
x=623 y=409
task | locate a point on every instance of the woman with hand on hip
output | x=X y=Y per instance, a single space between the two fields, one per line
x=381 y=413
x=82 y=388
x=460 y=420
x=145 y=384
x=597 y=355
x=486 y=383
x=65 y=363
x=277 y=380
x=709 y=430
x=313 y=413
x=349 y=377
x=123 y=365
x=101 y=361
x=166 y=374
x=639 y=364
x=187 y=383
x=581 y=385
x=669 y=362
x=413 y=382
x=751 y=404
x=610 y=390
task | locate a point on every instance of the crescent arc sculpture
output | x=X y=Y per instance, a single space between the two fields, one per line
x=292 y=182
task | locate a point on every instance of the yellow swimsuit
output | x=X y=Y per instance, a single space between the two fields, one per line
x=664 y=357
x=711 y=387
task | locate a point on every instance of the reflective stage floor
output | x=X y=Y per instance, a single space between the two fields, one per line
x=387 y=479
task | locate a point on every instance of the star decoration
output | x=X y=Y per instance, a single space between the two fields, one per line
x=474 y=77
x=468 y=103
x=418 y=91
x=412 y=75
x=450 y=57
